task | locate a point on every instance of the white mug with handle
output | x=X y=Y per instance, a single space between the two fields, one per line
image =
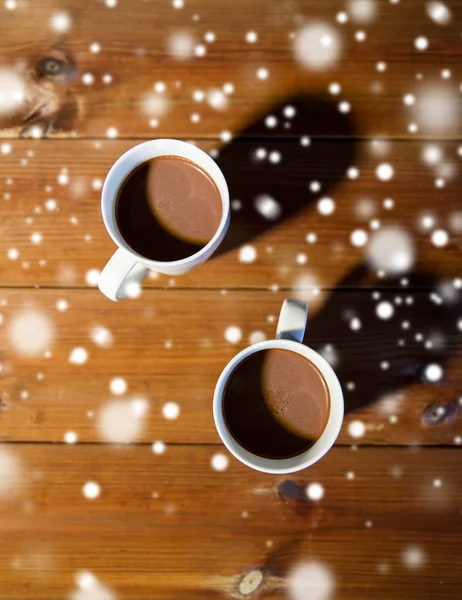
x=289 y=335
x=127 y=266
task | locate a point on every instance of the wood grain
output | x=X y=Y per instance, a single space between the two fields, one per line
x=170 y=346
x=135 y=38
x=74 y=240
x=169 y=526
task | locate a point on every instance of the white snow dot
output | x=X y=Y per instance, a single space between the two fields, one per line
x=70 y=437
x=247 y=254
x=101 y=336
x=158 y=447
x=5 y=148
x=119 y=421
x=350 y=475
x=233 y=334
x=353 y=173
x=91 y=277
x=381 y=66
x=217 y=99
x=305 y=141
x=262 y=73
x=118 y=386
x=341 y=17
x=432 y=154
x=88 y=79
x=356 y=429
x=437 y=483
x=51 y=204
x=95 y=48
x=315 y=491
x=274 y=157
x=60 y=22
x=30 y=332
x=360 y=36
x=112 y=132
x=440 y=238
x=170 y=410
x=226 y=136
x=198 y=96
x=256 y=336
x=78 y=356
x=228 y=88
x=384 y=172
x=355 y=324
x=10 y=4
x=301 y=258
x=438 y=12
x=267 y=207
x=251 y=37
x=91 y=490
x=358 y=237
x=107 y=78
x=326 y=206
x=13 y=253
x=219 y=462
x=433 y=373
x=310 y=581
x=344 y=107
x=200 y=50
x=110 y=3
x=335 y=88
x=178 y=4
x=413 y=557
x=409 y=99
x=315 y=187
x=62 y=305
x=271 y=121
x=36 y=238
x=384 y=310
x=421 y=43
x=289 y=112
x=311 y=238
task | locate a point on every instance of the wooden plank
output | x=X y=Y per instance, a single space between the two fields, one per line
x=170 y=346
x=170 y=526
x=134 y=41
x=74 y=241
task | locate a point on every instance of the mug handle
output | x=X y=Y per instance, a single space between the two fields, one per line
x=292 y=320
x=121 y=270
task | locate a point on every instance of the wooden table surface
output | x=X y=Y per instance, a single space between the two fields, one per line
x=358 y=101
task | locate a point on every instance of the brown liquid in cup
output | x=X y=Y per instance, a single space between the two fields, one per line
x=168 y=208
x=276 y=403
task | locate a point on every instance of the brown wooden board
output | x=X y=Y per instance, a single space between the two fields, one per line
x=170 y=526
x=134 y=39
x=74 y=242
x=171 y=345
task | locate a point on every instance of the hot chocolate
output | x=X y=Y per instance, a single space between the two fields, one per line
x=276 y=403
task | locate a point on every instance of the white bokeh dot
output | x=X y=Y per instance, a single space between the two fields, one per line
x=356 y=429
x=440 y=238
x=384 y=172
x=118 y=386
x=78 y=356
x=158 y=447
x=233 y=334
x=433 y=373
x=247 y=254
x=384 y=310
x=91 y=490
x=315 y=491
x=421 y=43
x=359 y=238
x=70 y=437
x=92 y=276
x=171 y=410
x=219 y=462
x=310 y=580
x=326 y=206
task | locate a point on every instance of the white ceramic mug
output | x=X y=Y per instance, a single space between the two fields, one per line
x=127 y=266
x=289 y=335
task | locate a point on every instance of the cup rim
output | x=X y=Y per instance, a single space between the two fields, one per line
x=114 y=178
x=319 y=448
